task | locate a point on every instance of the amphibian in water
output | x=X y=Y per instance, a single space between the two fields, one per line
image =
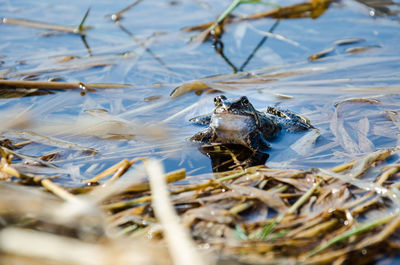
x=237 y=122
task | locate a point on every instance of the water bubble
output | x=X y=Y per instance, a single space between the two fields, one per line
x=372 y=12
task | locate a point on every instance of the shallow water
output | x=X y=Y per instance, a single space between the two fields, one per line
x=124 y=123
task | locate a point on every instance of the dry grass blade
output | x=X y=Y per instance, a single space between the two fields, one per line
x=362 y=164
x=321 y=54
x=119 y=167
x=342 y=167
x=348 y=41
x=387 y=174
x=358 y=100
x=127 y=203
x=10 y=171
x=59 y=191
x=135 y=185
x=270 y=227
x=271 y=199
x=361 y=49
x=204 y=26
x=42 y=25
x=13 y=84
x=317 y=229
x=197 y=87
x=55 y=142
x=360 y=229
x=117 y=16
x=170 y=177
x=313 y=9
x=181 y=246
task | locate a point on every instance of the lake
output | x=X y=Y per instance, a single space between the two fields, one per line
x=351 y=93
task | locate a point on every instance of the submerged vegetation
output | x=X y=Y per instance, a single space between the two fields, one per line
x=95 y=163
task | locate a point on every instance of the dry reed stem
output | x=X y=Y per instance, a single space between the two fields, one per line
x=10 y=84
x=170 y=177
x=179 y=241
x=42 y=25
x=317 y=229
x=59 y=191
x=119 y=169
x=342 y=167
x=123 y=163
x=9 y=170
x=43 y=247
x=387 y=174
x=127 y=203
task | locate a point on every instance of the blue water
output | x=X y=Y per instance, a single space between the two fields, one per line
x=314 y=87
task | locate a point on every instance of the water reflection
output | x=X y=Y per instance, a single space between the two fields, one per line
x=219 y=48
x=226 y=157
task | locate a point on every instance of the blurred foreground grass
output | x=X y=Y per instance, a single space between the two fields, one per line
x=258 y=215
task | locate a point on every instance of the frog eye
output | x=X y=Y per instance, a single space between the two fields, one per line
x=245 y=101
x=218 y=100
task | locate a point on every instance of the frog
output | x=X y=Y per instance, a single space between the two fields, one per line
x=236 y=122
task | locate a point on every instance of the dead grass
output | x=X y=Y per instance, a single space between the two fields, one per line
x=253 y=216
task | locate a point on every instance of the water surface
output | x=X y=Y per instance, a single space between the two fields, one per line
x=155 y=56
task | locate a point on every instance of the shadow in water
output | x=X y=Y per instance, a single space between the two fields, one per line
x=83 y=37
x=219 y=48
x=226 y=157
